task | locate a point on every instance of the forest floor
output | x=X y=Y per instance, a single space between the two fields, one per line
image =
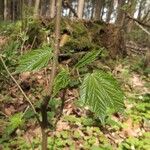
x=77 y=129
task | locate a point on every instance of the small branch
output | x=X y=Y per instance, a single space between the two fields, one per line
x=145 y=30
x=60 y=112
x=27 y=99
x=139 y=22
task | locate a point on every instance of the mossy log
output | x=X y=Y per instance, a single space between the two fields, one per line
x=81 y=36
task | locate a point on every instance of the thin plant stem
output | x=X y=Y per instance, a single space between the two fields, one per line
x=23 y=93
x=52 y=76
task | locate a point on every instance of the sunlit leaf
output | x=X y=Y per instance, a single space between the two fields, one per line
x=87 y=59
x=35 y=60
x=61 y=81
x=101 y=93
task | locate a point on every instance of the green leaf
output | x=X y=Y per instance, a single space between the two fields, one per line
x=35 y=60
x=61 y=81
x=87 y=59
x=102 y=94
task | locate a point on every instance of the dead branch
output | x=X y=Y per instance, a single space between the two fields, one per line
x=145 y=30
x=139 y=22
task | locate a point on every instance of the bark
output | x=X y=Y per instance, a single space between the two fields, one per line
x=120 y=13
x=36 y=8
x=98 y=8
x=5 y=10
x=110 y=10
x=141 y=7
x=1 y=9
x=43 y=7
x=92 y=11
x=13 y=10
x=21 y=10
x=131 y=11
x=30 y=3
x=52 y=8
x=80 y=8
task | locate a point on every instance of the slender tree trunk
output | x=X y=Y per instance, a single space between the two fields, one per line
x=13 y=10
x=92 y=11
x=53 y=74
x=30 y=3
x=43 y=7
x=141 y=8
x=98 y=8
x=52 y=8
x=131 y=10
x=36 y=8
x=120 y=13
x=5 y=10
x=1 y=9
x=140 y=11
x=110 y=10
x=80 y=8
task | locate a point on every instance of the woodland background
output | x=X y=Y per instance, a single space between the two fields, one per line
x=105 y=39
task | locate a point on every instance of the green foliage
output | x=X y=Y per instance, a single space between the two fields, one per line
x=9 y=28
x=85 y=121
x=78 y=44
x=54 y=104
x=10 y=54
x=140 y=112
x=15 y=121
x=87 y=59
x=139 y=36
x=141 y=143
x=61 y=81
x=101 y=93
x=116 y=125
x=35 y=60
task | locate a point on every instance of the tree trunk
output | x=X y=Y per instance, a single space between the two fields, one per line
x=52 y=8
x=120 y=13
x=80 y=8
x=98 y=8
x=92 y=11
x=1 y=10
x=5 y=10
x=141 y=7
x=110 y=10
x=43 y=8
x=131 y=10
x=36 y=8
x=103 y=9
x=30 y=3
x=13 y=10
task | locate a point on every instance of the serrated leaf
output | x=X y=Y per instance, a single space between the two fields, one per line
x=87 y=59
x=101 y=93
x=35 y=60
x=61 y=81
